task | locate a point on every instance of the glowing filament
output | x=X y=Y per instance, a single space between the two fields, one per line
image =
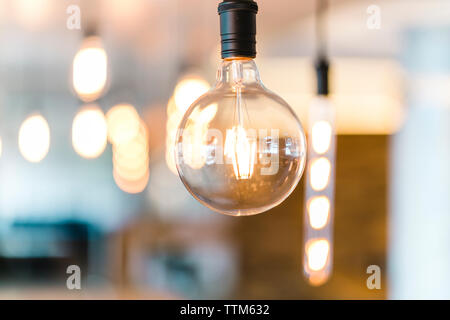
x=320 y=173
x=241 y=151
x=319 y=211
x=317 y=252
x=321 y=133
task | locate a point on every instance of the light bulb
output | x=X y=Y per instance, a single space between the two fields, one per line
x=89 y=132
x=90 y=69
x=240 y=149
x=34 y=138
x=123 y=123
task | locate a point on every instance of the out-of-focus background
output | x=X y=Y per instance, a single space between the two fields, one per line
x=73 y=195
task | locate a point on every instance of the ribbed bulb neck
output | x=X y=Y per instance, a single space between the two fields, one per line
x=238 y=71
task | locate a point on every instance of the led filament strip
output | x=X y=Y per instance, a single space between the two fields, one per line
x=319 y=197
x=319 y=208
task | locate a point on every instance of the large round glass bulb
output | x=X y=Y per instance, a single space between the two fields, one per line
x=240 y=149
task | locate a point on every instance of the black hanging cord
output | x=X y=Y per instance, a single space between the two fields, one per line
x=322 y=64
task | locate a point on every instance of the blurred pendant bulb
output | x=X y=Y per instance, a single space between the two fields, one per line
x=319 y=204
x=240 y=149
x=89 y=132
x=90 y=69
x=34 y=138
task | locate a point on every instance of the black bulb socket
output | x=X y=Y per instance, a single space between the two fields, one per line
x=322 y=67
x=238 y=28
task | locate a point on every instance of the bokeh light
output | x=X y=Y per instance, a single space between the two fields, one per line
x=131 y=186
x=128 y=134
x=188 y=90
x=317 y=254
x=90 y=69
x=123 y=123
x=89 y=132
x=319 y=211
x=34 y=138
x=320 y=173
x=321 y=133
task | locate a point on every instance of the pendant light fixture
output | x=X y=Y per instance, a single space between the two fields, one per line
x=89 y=79
x=240 y=149
x=319 y=198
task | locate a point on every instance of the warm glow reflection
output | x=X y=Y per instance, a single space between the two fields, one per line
x=90 y=68
x=318 y=278
x=321 y=133
x=195 y=136
x=317 y=252
x=242 y=152
x=89 y=132
x=320 y=173
x=319 y=210
x=34 y=138
x=188 y=90
x=123 y=123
